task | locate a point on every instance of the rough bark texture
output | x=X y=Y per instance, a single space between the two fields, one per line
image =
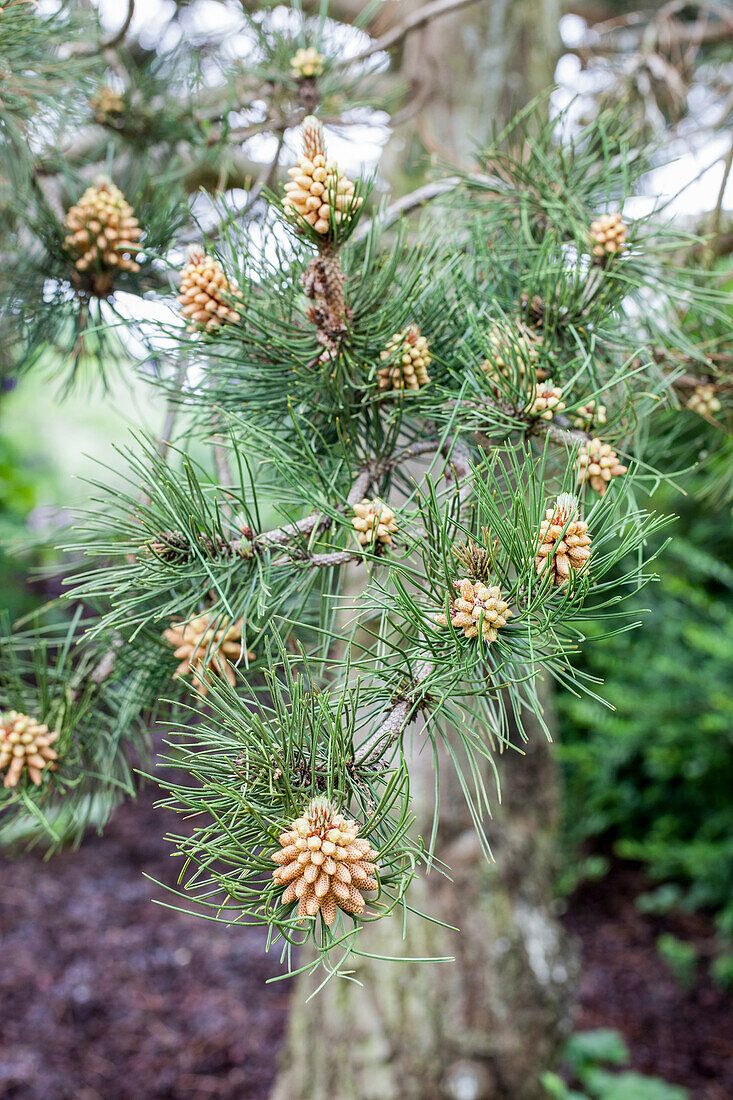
x=467 y=73
x=481 y=1027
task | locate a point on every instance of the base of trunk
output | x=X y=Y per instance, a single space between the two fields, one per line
x=481 y=1027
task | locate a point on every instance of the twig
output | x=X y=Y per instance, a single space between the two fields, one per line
x=412 y=23
x=718 y=211
x=408 y=203
x=396 y=719
x=120 y=34
x=326 y=561
x=280 y=536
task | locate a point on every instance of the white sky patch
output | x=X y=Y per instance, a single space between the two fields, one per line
x=689 y=182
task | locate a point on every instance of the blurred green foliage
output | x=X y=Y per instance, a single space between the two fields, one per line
x=651 y=780
x=587 y=1056
x=17 y=499
x=680 y=957
x=45 y=446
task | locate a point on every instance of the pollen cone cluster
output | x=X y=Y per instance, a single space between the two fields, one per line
x=564 y=536
x=103 y=234
x=107 y=102
x=475 y=600
x=409 y=361
x=598 y=463
x=324 y=864
x=547 y=401
x=608 y=234
x=206 y=644
x=306 y=62
x=703 y=401
x=512 y=354
x=24 y=745
x=317 y=190
x=206 y=292
x=374 y=521
x=588 y=415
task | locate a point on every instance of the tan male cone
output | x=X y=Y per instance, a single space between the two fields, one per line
x=374 y=521
x=547 y=401
x=597 y=464
x=564 y=542
x=102 y=233
x=206 y=292
x=206 y=643
x=608 y=236
x=409 y=359
x=25 y=745
x=703 y=401
x=477 y=603
x=323 y=863
x=317 y=191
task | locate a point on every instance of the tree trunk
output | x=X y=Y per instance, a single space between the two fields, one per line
x=481 y=1027
x=485 y=1025
x=467 y=73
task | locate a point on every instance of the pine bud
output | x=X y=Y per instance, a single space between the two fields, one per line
x=103 y=235
x=547 y=401
x=323 y=864
x=533 y=309
x=703 y=401
x=608 y=236
x=173 y=546
x=206 y=643
x=314 y=142
x=408 y=359
x=565 y=537
x=512 y=354
x=476 y=603
x=477 y=561
x=206 y=292
x=317 y=191
x=24 y=745
x=374 y=521
x=107 y=102
x=589 y=415
x=307 y=63
x=598 y=463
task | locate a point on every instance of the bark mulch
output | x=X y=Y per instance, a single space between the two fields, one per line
x=105 y=996
x=683 y=1036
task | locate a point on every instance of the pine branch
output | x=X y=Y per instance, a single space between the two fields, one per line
x=395 y=721
x=407 y=204
x=411 y=23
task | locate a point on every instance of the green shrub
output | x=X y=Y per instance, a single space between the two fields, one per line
x=680 y=957
x=651 y=780
x=586 y=1056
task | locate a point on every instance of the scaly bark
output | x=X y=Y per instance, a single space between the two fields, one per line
x=483 y=1026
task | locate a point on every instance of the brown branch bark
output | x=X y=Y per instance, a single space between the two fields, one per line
x=396 y=720
x=413 y=22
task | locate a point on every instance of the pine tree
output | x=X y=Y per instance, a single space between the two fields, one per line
x=384 y=504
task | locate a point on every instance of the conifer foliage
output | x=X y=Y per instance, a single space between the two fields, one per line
x=403 y=458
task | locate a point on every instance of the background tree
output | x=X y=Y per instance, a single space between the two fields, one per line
x=236 y=564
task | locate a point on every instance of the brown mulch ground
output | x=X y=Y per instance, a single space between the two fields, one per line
x=105 y=996
x=684 y=1037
